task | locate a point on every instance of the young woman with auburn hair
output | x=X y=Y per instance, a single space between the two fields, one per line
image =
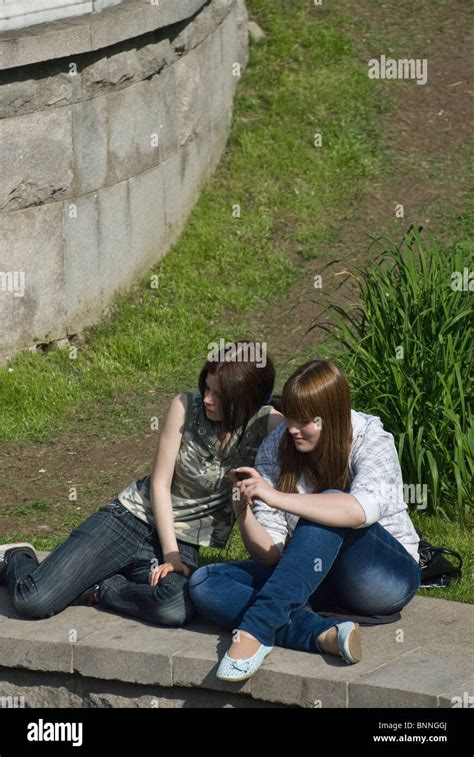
x=323 y=518
x=135 y=554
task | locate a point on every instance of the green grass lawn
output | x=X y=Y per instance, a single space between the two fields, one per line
x=302 y=80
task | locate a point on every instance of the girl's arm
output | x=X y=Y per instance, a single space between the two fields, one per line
x=377 y=484
x=257 y=540
x=169 y=442
x=265 y=534
x=332 y=509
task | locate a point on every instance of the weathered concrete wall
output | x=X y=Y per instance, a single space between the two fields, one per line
x=15 y=14
x=25 y=689
x=88 y=657
x=105 y=142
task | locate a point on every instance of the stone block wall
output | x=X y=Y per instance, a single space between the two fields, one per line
x=105 y=141
x=15 y=14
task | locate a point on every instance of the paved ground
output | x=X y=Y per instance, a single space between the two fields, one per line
x=424 y=660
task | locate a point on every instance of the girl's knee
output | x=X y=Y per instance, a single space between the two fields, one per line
x=199 y=586
x=198 y=577
x=224 y=570
x=35 y=607
x=320 y=530
x=376 y=599
x=174 y=606
x=400 y=604
x=176 y=615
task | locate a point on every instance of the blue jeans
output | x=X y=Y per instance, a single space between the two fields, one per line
x=113 y=547
x=365 y=570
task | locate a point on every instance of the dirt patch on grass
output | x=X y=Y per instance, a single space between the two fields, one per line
x=426 y=137
x=75 y=473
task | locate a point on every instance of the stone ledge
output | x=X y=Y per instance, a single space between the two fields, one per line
x=72 y=36
x=428 y=668
x=126 y=63
x=16 y=14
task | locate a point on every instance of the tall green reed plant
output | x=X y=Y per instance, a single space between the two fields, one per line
x=408 y=355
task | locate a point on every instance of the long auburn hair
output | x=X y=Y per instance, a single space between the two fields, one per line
x=244 y=387
x=318 y=389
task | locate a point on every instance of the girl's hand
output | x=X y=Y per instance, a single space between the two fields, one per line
x=254 y=487
x=173 y=564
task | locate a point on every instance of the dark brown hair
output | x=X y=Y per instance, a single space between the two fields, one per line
x=318 y=389
x=244 y=387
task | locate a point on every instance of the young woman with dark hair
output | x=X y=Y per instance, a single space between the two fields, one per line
x=135 y=554
x=323 y=517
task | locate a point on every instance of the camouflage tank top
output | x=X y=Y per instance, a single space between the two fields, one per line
x=201 y=490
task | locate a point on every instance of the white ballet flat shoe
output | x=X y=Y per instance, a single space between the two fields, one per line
x=231 y=669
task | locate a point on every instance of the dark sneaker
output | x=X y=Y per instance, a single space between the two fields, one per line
x=17 y=545
x=88 y=598
x=4 y=548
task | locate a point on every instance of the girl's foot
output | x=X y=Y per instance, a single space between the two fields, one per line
x=244 y=646
x=327 y=641
x=243 y=659
x=344 y=640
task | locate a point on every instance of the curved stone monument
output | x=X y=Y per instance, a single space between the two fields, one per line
x=15 y=14
x=110 y=122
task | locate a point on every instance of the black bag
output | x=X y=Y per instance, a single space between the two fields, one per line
x=436 y=571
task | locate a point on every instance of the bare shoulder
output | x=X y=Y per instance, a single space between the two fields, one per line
x=181 y=399
x=176 y=412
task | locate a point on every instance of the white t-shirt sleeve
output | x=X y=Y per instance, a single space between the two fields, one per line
x=377 y=482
